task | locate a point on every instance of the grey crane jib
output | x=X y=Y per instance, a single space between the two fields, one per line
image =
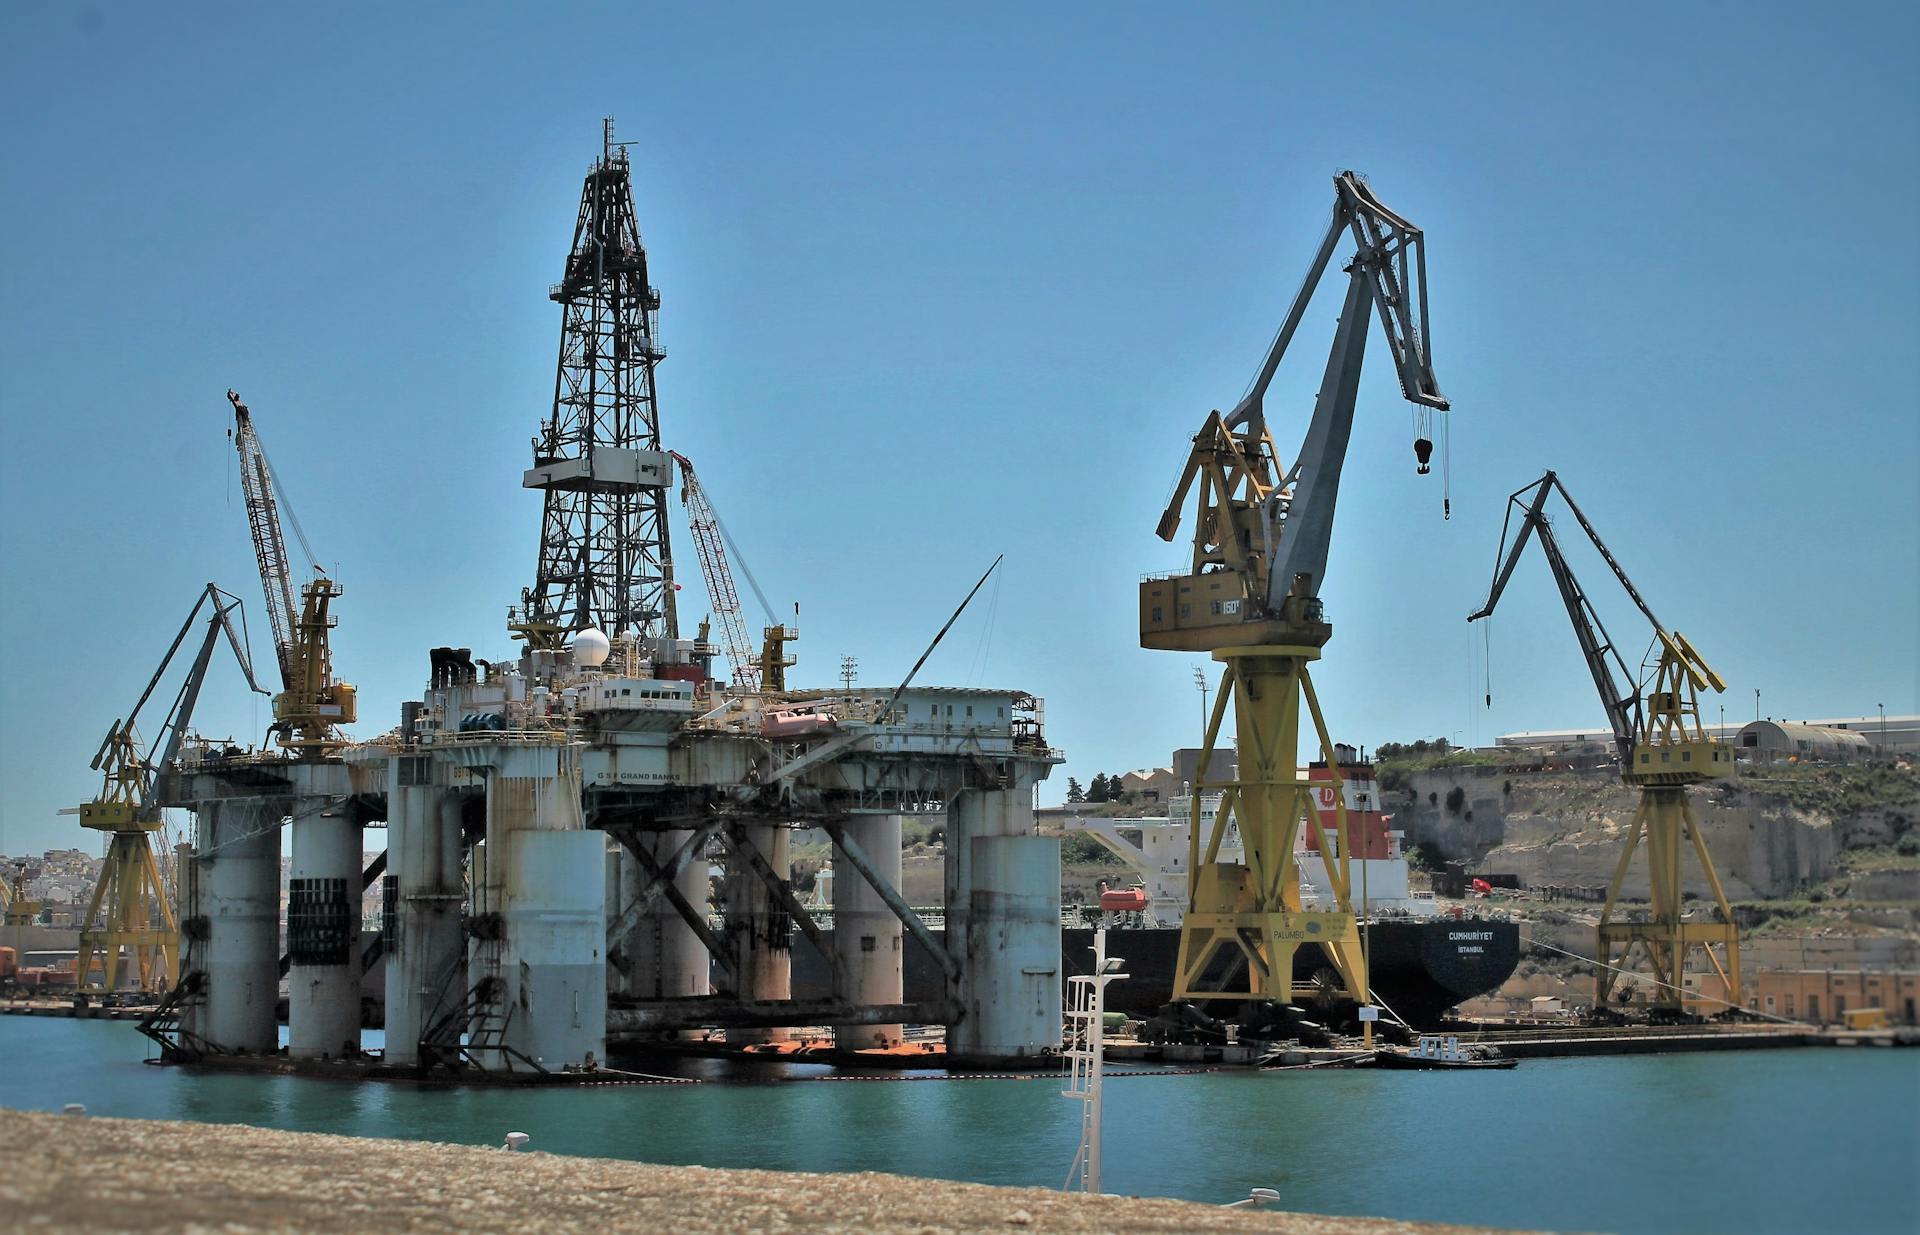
x=1625 y=712
x=1389 y=268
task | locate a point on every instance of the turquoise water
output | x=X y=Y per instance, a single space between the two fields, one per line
x=1789 y=1141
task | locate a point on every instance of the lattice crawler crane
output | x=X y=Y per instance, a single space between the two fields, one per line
x=708 y=541
x=311 y=706
x=1663 y=750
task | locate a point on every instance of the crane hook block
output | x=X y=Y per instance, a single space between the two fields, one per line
x=1422 y=453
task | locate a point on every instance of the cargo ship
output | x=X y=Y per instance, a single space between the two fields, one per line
x=1424 y=959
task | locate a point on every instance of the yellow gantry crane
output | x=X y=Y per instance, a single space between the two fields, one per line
x=1252 y=600
x=130 y=916
x=1663 y=749
x=311 y=706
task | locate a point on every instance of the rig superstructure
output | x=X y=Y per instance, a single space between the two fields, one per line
x=552 y=816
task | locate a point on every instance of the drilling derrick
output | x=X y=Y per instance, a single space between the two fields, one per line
x=308 y=713
x=604 y=558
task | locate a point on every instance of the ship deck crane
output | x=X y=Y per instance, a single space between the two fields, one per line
x=130 y=908
x=1252 y=600
x=766 y=669
x=1663 y=749
x=311 y=706
x=704 y=523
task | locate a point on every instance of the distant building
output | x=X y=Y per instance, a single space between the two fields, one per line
x=1895 y=735
x=1160 y=784
x=1822 y=996
x=1769 y=740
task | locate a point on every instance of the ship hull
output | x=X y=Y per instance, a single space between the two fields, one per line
x=1420 y=968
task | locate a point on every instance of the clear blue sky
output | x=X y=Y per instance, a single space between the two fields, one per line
x=948 y=283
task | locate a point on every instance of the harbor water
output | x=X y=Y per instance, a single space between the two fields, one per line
x=1789 y=1140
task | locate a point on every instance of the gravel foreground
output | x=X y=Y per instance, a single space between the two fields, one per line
x=71 y=1172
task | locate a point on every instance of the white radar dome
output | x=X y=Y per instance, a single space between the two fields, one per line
x=590 y=648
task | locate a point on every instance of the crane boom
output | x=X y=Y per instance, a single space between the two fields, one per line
x=1622 y=705
x=1271 y=530
x=269 y=546
x=311 y=706
x=1386 y=241
x=704 y=523
x=1297 y=518
x=180 y=715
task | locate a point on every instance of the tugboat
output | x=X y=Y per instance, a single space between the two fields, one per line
x=1435 y=1053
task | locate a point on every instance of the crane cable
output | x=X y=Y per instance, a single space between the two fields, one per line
x=1486 y=657
x=983 y=647
x=1681 y=991
x=286 y=504
x=740 y=560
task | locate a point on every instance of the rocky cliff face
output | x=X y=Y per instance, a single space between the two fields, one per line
x=1769 y=837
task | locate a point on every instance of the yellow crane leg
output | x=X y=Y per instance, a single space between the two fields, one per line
x=1666 y=819
x=1253 y=907
x=137 y=918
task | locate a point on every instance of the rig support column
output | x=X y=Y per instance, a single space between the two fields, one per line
x=758 y=927
x=663 y=958
x=867 y=937
x=234 y=927
x=323 y=931
x=545 y=889
x=1005 y=883
x=426 y=952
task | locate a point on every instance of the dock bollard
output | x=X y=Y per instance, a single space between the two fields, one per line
x=1256 y=1197
x=73 y=1108
x=516 y=1139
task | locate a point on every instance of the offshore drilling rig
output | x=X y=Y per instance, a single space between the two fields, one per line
x=551 y=816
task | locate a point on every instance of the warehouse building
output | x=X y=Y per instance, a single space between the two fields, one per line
x=1770 y=741
x=1864 y=736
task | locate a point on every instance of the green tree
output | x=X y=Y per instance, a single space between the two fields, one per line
x=1098 y=790
x=1074 y=792
x=1081 y=848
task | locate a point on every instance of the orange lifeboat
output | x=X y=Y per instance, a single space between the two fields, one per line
x=1123 y=900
